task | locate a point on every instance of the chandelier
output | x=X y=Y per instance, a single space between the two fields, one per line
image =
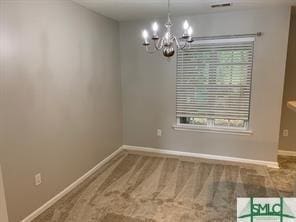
x=169 y=42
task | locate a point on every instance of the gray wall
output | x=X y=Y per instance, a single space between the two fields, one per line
x=60 y=97
x=148 y=83
x=288 y=120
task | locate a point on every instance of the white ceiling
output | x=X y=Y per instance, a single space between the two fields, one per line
x=123 y=10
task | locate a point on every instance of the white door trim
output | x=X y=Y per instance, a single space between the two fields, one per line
x=3 y=208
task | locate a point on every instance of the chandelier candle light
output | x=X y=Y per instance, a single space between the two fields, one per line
x=169 y=42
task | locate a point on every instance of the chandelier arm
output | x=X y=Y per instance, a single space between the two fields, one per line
x=150 y=50
x=179 y=46
x=158 y=45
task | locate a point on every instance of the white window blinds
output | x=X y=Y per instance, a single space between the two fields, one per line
x=214 y=81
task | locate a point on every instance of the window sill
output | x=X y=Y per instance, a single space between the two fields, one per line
x=212 y=130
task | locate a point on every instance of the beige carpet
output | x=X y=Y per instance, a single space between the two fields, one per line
x=137 y=187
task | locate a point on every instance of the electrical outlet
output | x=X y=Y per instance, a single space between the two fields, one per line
x=285 y=132
x=38 y=179
x=159 y=132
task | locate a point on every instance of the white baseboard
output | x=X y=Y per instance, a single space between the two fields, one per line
x=287 y=153
x=52 y=201
x=200 y=155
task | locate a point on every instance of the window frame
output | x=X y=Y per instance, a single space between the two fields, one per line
x=210 y=127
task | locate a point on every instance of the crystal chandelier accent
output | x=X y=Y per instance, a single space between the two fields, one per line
x=169 y=42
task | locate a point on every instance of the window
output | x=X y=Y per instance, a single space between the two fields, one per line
x=214 y=84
